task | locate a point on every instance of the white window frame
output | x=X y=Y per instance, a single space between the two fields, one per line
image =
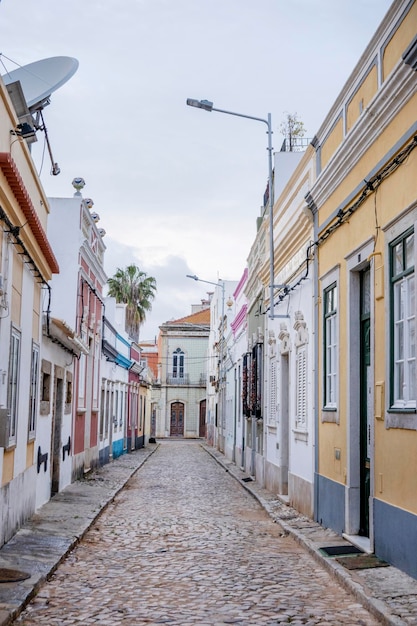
x=13 y=383
x=403 y=324
x=178 y=364
x=330 y=410
x=34 y=391
x=301 y=387
x=273 y=392
x=405 y=418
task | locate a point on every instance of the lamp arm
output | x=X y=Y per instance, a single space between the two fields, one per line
x=249 y=117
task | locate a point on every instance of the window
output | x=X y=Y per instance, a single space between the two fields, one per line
x=403 y=335
x=178 y=364
x=301 y=390
x=33 y=392
x=273 y=388
x=301 y=342
x=330 y=347
x=68 y=389
x=102 y=411
x=13 y=386
x=46 y=386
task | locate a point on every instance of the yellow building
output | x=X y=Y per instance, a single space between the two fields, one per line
x=365 y=205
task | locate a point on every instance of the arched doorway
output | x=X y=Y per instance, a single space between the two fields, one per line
x=177 y=419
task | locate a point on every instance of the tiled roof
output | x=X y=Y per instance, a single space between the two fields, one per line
x=201 y=317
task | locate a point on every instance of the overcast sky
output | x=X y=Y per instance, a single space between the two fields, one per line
x=178 y=189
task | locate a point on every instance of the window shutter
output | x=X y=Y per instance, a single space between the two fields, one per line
x=301 y=381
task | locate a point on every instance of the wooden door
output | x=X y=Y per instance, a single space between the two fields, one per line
x=202 y=429
x=177 y=419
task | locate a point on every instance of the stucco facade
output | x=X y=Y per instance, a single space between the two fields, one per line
x=365 y=206
x=289 y=356
x=78 y=299
x=182 y=346
x=27 y=263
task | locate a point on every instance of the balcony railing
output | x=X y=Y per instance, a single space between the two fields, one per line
x=200 y=380
x=178 y=380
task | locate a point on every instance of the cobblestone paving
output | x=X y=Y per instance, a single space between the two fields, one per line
x=183 y=544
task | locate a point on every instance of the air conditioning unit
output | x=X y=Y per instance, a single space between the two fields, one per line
x=4 y=428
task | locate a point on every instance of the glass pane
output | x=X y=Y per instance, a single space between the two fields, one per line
x=398 y=302
x=366 y=292
x=399 y=381
x=328 y=332
x=409 y=252
x=397 y=260
x=410 y=296
x=411 y=338
x=330 y=304
x=411 y=380
x=399 y=336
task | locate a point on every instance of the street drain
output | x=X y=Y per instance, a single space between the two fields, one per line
x=340 y=550
x=12 y=575
x=248 y=479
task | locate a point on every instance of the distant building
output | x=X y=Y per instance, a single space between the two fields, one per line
x=180 y=398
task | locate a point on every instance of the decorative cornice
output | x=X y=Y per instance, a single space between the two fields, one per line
x=16 y=184
x=241 y=283
x=239 y=319
x=391 y=97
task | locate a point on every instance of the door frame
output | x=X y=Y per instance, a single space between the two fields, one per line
x=356 y=263
x=170 y=418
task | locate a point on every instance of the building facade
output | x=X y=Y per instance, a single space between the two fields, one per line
x=365 y=206
x=182 y=348
x=27 y=263
x=78 y=299
x=289 y=356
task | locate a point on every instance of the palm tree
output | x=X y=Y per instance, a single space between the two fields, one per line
x=135 y=289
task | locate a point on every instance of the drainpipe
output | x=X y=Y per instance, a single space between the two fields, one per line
x=313 y=208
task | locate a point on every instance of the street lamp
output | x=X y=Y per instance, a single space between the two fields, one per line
x=220 y=284
x=208 y=106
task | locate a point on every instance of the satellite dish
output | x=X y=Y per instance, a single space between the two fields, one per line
x=30 y=87
x=41 y=78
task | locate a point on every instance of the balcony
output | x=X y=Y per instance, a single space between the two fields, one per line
x=200 y=380
x=178 y=380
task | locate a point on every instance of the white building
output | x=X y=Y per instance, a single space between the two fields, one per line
x=78 y=301
x=289 y=360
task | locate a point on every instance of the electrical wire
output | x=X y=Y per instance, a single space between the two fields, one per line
x=371 y=186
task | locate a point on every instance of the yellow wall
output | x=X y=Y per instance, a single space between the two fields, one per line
x=331 y=143
x=400 y=41
x=395 y=449
x=360 y=100
x=30 y=454
x=8 y=464
x=396 y=466
x=376 y=152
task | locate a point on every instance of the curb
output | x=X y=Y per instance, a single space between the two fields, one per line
x=49 y=546
x=375 y=606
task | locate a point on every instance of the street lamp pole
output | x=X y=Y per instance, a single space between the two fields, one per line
x=220 y=284
x=206 y=105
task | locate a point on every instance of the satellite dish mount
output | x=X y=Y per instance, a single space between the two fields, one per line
x=30 y=88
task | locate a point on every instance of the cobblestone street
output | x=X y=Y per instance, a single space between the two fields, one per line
x=181 y=544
